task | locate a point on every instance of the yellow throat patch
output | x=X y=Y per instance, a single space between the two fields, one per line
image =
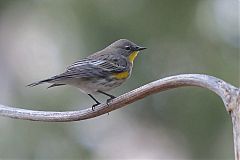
x=132 y=56
x=122 y=75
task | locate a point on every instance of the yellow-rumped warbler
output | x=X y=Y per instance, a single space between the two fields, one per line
x=99 y=72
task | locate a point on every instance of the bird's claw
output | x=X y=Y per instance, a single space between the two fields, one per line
x=109 y=100
x=93 y=106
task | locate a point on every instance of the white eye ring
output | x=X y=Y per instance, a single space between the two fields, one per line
x=127 y=48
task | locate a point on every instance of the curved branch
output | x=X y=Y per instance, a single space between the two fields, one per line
x=216 y=85
x=229 y=94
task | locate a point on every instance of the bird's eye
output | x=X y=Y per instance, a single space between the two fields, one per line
x=127 y=48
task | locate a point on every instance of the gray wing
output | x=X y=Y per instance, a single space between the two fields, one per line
x=100 y=66
x=96 y=67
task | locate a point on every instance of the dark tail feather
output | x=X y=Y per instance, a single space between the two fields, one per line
x=55 y=85
x=39 y=82
x=49 y=80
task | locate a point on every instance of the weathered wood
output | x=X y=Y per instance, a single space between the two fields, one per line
x=229 y=94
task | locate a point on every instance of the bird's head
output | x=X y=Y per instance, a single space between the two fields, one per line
x=126 y=48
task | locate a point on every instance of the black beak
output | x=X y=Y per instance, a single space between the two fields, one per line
x=140 y=48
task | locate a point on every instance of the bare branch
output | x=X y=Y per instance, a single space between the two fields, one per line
x=218 y=86
x=230 y=96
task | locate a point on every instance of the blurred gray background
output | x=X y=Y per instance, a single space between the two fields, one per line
x=40 y=38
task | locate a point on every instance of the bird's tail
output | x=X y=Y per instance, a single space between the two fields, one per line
x=54 y=80
x=39 y=82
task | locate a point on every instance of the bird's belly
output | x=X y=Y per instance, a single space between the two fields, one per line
x=92 y=86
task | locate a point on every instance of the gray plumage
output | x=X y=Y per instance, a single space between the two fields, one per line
x=96 y=72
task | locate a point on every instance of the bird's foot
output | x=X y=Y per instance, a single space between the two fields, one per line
x=111 y=98
x=93 y=106
x=109 y=95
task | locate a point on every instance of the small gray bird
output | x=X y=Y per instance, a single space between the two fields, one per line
x=99 y=72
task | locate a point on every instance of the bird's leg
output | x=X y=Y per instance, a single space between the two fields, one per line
x=109 y=95
x=97 y=103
